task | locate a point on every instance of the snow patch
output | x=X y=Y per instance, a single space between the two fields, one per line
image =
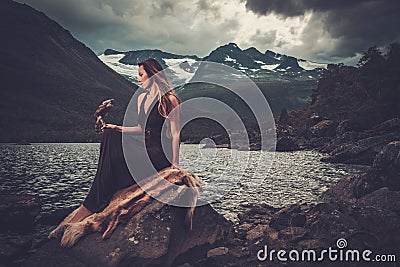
x=228 y=58
x=309 y=65
x=174 y=61
x=173 y=64
x=269 y=67
x=131 y=71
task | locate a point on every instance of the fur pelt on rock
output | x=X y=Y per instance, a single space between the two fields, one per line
x=168 y=185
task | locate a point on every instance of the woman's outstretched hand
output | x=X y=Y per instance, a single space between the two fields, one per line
x=111 y=126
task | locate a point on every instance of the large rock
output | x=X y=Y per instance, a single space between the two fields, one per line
x=18 y=212
x=384 y=172
x=360 y=152
x=324 y=128
x=287 y=143
x=155 y=236
x=355 y=146
x=17 y=223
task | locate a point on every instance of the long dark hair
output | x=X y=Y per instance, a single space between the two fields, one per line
x=152 y=67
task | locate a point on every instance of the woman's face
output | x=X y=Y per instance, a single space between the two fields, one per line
x=143 y=77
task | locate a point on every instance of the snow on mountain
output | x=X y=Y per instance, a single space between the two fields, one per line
x=269 y=67
x=184 y=68
x=261 y=66
x=309 y=65
x=130 y=72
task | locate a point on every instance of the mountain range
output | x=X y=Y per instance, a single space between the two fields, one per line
x=268 y=66
x=286 y=82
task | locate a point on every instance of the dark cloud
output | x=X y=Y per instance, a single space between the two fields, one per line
x=176 y=26
x=292 y=8
x=329 y=30
x=354 y=25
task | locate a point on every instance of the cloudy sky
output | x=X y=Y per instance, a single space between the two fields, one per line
x=318 y=30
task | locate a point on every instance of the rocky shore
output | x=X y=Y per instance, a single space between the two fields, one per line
x=341 y=141
x=363 y=210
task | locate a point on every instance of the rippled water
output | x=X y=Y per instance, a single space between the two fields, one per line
x=61 y=174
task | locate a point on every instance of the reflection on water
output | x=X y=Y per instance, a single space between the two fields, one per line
x=61 y=174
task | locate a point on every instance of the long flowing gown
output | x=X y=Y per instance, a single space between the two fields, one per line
x=113 y=172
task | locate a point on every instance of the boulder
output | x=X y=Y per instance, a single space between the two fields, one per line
x=155 y=236
x=387 y=163
x=345 y=126
x=18 y=212
x=14 y=247
x=385 y=171
x=360 y=152
x=141 y=227
x=54 y=217
x=315 y=118
x=388 y=126
x=287 y=143
x=325 y=128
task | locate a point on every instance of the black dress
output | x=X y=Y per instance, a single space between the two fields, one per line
x=113 y=173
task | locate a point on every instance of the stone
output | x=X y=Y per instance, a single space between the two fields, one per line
x=257 y=232
x=359 y=152
x=389 y=156
x=55 y=217
x=315 y=118
x=217 y=251
x=326 y=207
x=13 y=247
x=385 y=171
x=287 y=143
x=298 y=220
x=293 y=233
x=388 y=126
x=387 y=162
x=325 y=128
x=8 y=252
x=344 y=126
x=156 y=235
x=18 y=212
x=341 y=192
x=382 y=198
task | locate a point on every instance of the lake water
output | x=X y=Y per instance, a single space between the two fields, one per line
x=61 y=175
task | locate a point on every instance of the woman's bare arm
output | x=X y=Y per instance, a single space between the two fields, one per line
x=124 y=129
x=174 y=120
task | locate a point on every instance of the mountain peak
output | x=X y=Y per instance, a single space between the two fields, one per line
x=289 y=64
x=229 y=47
x=232 y=44
x=109 y=51
x=252 y=50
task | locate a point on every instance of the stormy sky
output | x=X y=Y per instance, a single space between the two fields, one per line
x=318 y=30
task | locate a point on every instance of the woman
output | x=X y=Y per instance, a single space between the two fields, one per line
x=155 y=107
